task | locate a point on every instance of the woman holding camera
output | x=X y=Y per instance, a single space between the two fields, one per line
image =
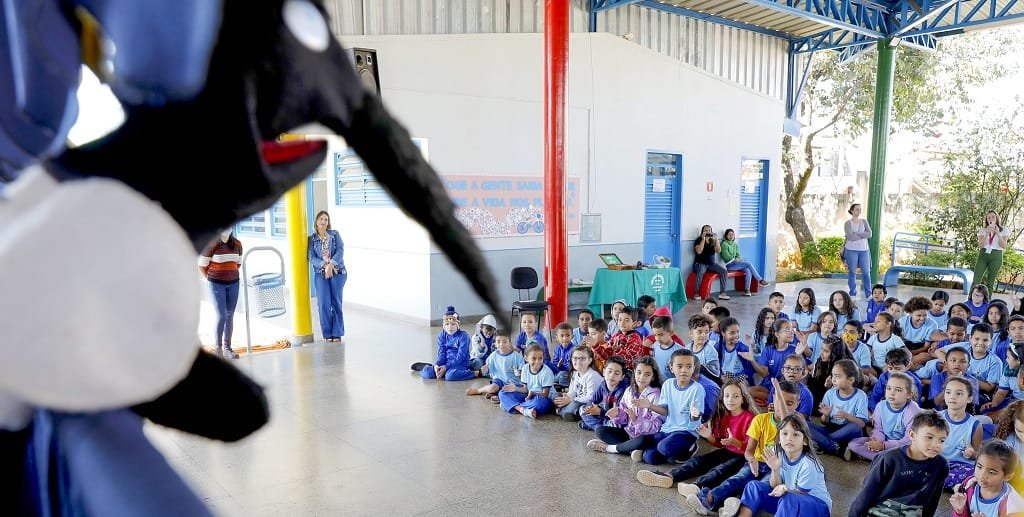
x=705 y=248
x=855 y=250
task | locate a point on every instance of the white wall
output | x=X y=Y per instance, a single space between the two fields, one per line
x=477 y=99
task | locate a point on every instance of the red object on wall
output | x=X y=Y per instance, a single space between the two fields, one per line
x=711 y=186
x=556 y=249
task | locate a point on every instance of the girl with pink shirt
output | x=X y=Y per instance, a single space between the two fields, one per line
x=631 y=425
x=726 y=430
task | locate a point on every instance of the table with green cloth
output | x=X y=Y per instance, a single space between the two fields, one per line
x=664 y=284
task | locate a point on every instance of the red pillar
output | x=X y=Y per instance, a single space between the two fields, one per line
x=556 y=67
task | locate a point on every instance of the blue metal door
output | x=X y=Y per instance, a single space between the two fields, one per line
x=663 y=181
x=753 y=211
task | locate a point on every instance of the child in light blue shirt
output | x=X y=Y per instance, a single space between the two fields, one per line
x=883 y=340
x=681 y=402
x=844 y=410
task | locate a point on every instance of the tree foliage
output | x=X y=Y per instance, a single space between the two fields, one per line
x=983 y=169
x=929 y=90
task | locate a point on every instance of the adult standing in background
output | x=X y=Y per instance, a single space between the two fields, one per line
x=992 y=238
x=705 y=248
x=855 y=250
x=326 y=254
x=219 y=265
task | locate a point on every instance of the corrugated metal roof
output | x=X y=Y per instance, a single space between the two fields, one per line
x=741 y=11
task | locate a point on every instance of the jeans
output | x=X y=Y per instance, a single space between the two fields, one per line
x=328 y=299
x=756 y=497
x=225 y=299
x=855 y=259
x=669 y=447
x=618 y=437
x=830 y=437
x=747 y=268
x=713 y=467
x=451 y=374
x=733 y=486
x=987 y=268
x=570 y=412
x=699 y=269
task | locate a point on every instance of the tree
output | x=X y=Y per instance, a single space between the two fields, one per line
x=929 y=89
x=983 y=169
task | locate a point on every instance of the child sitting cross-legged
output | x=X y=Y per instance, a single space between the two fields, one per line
x=560 y=361
x=844 y=410
x=727 y=430
x=452 y=352
x=663 y=341
x=585 y=383
x=504 y=366
x=896 y=360
x=481 y=345
x=797 y=482
x=531 y=397
x=908 y=480
x=890 y=420
x=629 y=426
x=609 y=393
x=965 y=431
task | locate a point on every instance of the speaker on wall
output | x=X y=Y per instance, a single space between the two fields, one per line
x=365 y=61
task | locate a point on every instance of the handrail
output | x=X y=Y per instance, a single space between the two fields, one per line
x=925 y=241
x=245 y=283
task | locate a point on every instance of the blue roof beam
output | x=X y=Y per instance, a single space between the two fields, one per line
x=848 y=15
x=606 y=5
x=842 y=40
x=913 y=15
x=954 y=19
x=689 y=13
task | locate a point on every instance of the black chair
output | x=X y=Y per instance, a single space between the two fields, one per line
x=525 y=279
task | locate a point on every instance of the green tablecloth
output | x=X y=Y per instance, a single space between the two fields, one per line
x=665 y=285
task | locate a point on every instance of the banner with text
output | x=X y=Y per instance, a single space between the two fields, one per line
x=508 y=206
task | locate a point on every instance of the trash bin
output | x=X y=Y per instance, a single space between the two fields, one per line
x=269 y=294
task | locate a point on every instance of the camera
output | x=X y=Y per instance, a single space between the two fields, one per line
x=709 y=235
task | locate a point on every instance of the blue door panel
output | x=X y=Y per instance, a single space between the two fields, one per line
x=662 y=206
x=751 y=233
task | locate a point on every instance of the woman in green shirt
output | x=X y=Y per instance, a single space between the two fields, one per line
x=733 y=262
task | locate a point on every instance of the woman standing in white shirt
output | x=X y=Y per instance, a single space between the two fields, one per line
x=855 y=250
x=992 y=240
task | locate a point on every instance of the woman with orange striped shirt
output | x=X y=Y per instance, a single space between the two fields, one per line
x=219 y=263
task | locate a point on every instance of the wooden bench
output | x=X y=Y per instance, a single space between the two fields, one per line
x=925 y=244
x=711 y=276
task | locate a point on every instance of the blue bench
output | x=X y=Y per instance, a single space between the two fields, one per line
x=925 y=244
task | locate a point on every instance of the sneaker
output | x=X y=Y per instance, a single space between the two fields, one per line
x=654 y=478
x=417 y=367
x=747 y=293
x=686 y=489
x=229 y=353
x=637 y=455
x=583 y=426
x=848 y=455
x=763 y=282
x=696 y=298
x=597 y=445
x=723 y=297
x=530 y=413
x=695 y=504
x=730 y=507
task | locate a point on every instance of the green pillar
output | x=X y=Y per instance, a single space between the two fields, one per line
x=879 y=142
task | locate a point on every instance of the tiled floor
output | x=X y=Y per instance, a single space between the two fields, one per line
x=353 y=432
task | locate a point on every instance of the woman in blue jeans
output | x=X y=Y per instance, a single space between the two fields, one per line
x=855 y=251
x=734 y=262
x=705 y=247
x=326 y=254
x=219 y=265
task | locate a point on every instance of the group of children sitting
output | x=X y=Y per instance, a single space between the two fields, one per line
x=932 y=395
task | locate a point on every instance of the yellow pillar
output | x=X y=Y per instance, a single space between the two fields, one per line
x=295 y=208
x=295 y=211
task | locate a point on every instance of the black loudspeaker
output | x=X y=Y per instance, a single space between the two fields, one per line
x=365 y=61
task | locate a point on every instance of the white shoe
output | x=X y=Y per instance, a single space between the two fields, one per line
x=685 y=489
x=729 y=508
x=651 y=478
x=597 y=445
x=695 y=504
x=637 y=455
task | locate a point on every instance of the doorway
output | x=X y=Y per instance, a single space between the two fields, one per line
x=662 y=206
x=753 y=211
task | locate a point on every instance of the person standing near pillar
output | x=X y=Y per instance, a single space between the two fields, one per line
x=855 y=250
x=326 y=253
x=992 y=238
x=219 y=265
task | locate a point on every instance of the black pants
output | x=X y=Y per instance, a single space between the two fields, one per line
x=713 y=468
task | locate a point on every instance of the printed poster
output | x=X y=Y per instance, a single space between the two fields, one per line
x=508 y=206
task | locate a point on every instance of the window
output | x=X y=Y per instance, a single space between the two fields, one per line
x=356 y=185
x=255 y=224
x=278 y=220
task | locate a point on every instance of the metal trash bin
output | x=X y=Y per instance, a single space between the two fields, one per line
x=269 y=294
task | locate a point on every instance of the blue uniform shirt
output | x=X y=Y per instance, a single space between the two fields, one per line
x=806 y=475
x=892 y=421
x=879 y=348
x=804 y=320
x=920 y=334
x=678 y=401
x=503 y=367
x=960 y=435
x=856 y=404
